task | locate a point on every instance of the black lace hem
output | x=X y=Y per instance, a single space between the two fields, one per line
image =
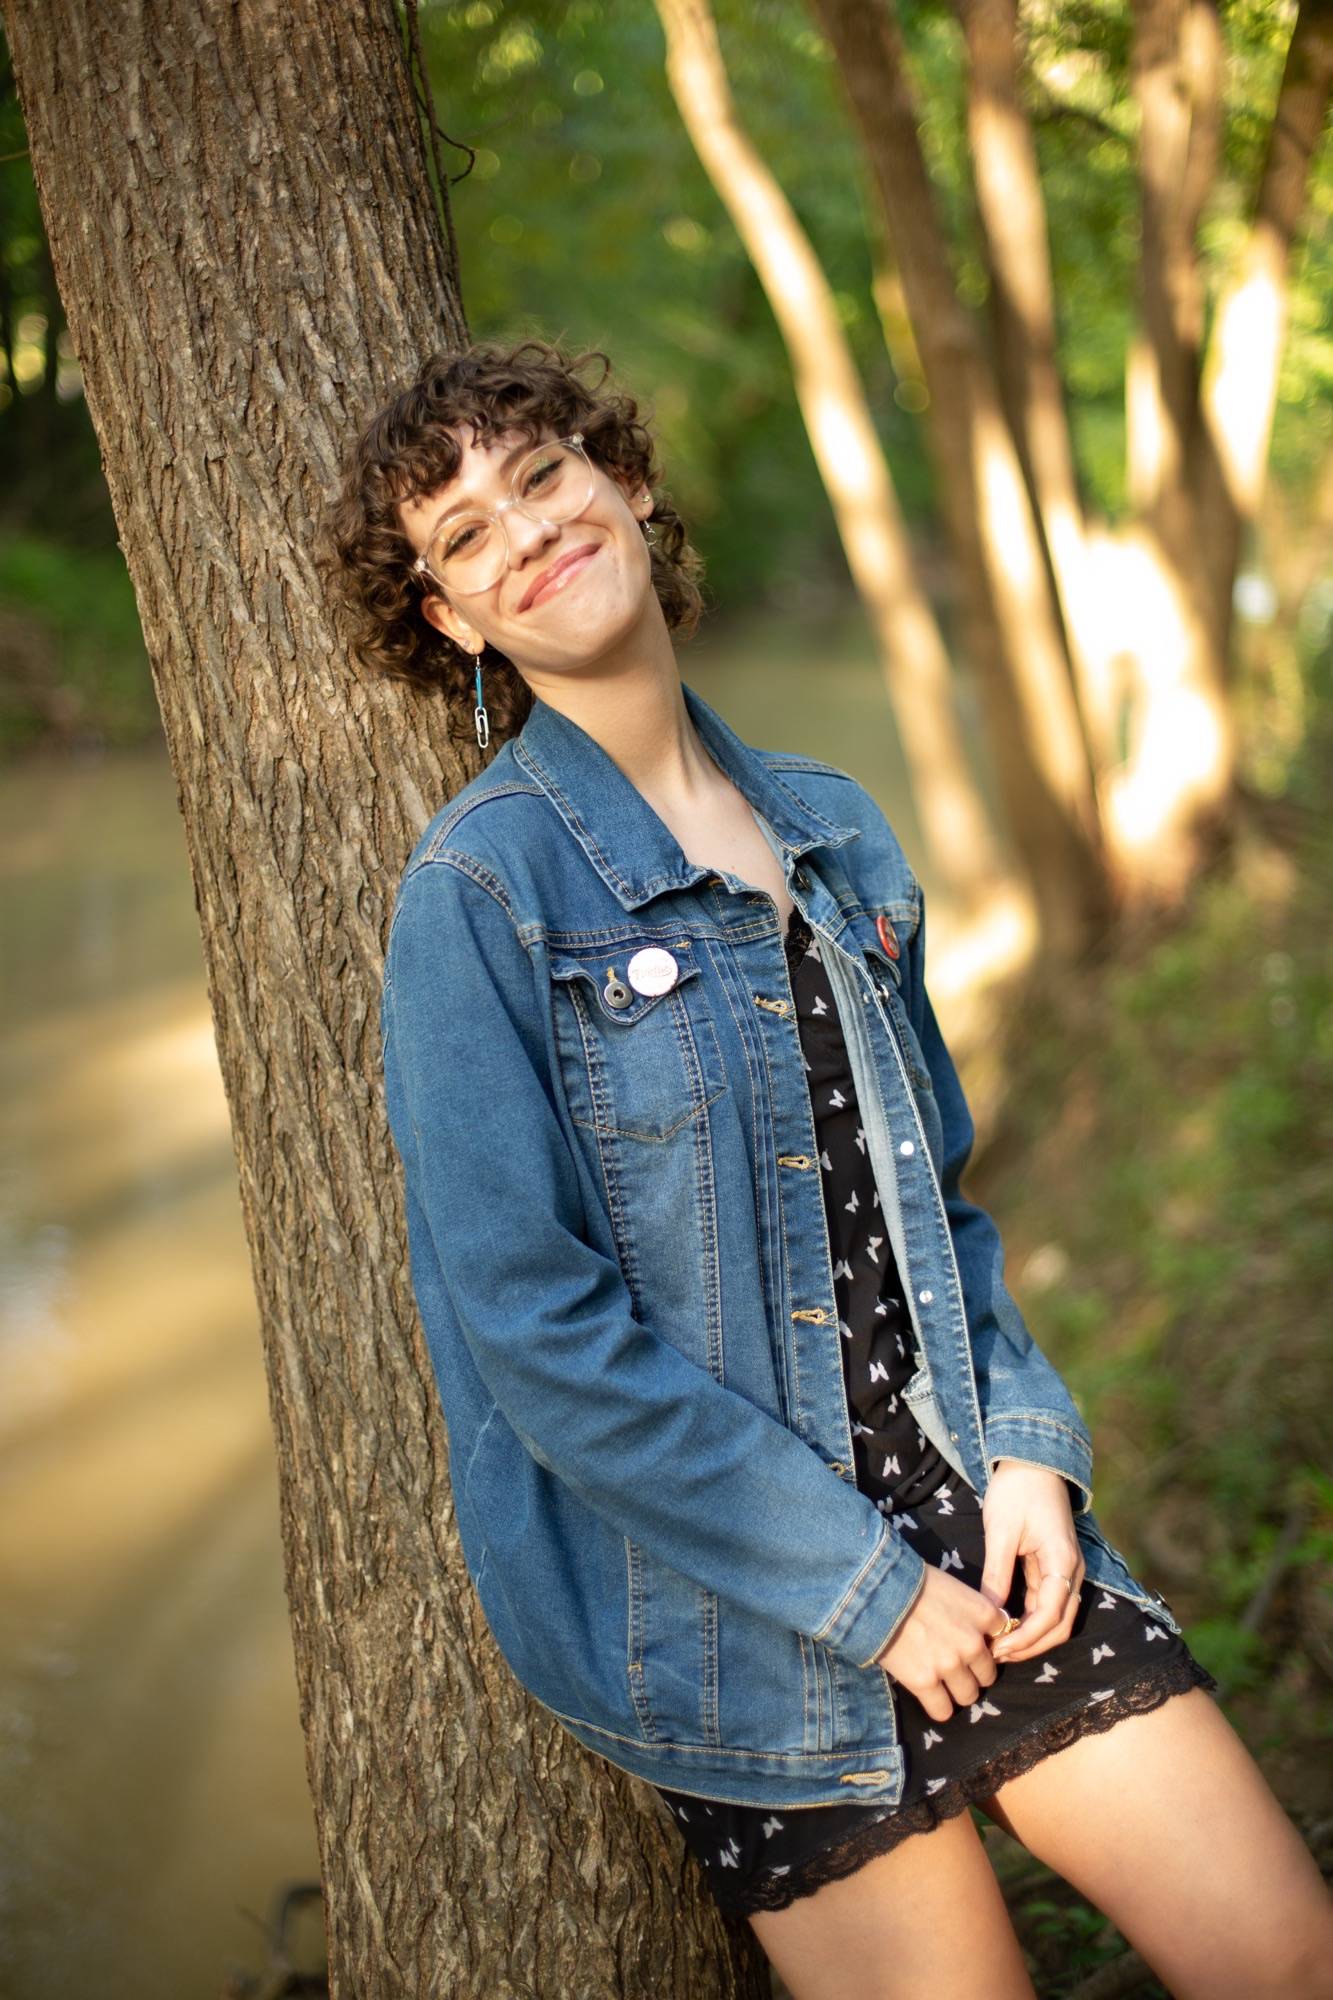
x=768 y=1890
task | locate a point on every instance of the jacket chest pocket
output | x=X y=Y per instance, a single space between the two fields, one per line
x=635 y=1065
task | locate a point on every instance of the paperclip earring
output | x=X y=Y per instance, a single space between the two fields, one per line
x=479 y=715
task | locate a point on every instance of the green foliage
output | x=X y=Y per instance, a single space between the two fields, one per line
x=76 y=669
x=583 y=213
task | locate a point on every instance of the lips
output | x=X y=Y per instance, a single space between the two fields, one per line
x=552 y=575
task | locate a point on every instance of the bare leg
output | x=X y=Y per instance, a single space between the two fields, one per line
x=1168 y=1826
x=925 y=1918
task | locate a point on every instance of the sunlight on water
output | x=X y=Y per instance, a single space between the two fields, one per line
x=152 y=1788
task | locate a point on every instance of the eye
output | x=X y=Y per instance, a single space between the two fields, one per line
x=444 y=549
x=547 y=470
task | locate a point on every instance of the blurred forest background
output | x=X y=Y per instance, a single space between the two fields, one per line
x=1155 y=1123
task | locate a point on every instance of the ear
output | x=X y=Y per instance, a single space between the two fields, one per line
x=636 y=493
x=438 y=611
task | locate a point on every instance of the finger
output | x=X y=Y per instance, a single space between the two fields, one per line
x=935 y=1700
x=1072 y=1600
x=997 y=1573
x=962 y=1685
x=1049 y=1623
x=1043 y=1626
x=982 y=1664
x=1049 y=1626
x=1045 y=1567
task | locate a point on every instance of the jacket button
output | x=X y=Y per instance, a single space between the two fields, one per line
x=954 y=1436
x=925 y=1297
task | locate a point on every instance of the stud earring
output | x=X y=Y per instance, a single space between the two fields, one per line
x=479 y=715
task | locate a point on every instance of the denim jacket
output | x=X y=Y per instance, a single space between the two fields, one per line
x=619 y=1253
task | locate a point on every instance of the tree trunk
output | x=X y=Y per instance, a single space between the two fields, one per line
x=1011 y=211
x=1196 y=454
x=1163 y=437
x=1250 y=322
x=1014 y=639
x=857 y=478
x=241 y=222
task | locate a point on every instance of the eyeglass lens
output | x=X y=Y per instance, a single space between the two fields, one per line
x=553 y=483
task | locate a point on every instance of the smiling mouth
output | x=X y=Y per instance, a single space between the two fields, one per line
x=556 y=579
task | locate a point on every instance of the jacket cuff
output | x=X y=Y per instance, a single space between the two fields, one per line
x=881 y=1596
x=1044 y=1441
x=898 y=1622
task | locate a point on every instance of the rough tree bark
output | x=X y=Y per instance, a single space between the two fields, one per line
x=244 y=236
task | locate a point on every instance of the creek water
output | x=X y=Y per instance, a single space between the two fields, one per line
x=152 y=1785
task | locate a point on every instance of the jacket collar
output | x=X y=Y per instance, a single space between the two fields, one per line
x=633 y=850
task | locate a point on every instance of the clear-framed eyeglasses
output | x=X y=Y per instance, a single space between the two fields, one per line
x=468 y=550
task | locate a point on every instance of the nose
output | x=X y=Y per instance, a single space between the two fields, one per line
x=523 y=534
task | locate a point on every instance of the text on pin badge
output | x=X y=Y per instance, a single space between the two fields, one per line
x=652 y=970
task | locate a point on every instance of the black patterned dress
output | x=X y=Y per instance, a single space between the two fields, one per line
x=1119 y=1660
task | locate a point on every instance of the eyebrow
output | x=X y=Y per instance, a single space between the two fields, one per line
x=470 y=500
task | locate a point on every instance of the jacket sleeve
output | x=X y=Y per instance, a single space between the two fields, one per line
x=695 y=1472
x=1026 y=1407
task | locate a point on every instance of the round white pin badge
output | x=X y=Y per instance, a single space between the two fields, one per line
x=652 y=970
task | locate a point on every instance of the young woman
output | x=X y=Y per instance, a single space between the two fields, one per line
x=765 y=1488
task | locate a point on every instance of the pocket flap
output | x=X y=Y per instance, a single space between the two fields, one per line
x=864 y=928
x=597 y=973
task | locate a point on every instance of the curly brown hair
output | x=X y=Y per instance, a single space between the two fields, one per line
x=406 y=450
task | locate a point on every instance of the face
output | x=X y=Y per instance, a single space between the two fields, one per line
x=583 y=612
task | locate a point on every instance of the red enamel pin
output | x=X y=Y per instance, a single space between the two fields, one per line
x=887 y=936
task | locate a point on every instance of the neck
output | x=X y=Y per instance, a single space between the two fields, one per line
x=637 y=714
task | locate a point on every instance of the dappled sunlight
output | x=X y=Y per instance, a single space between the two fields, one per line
x=987 y=947
x=1005 y=506
x=1168 y=714
x=1179 y=752
x=975 y=962
x=1245 y=347
x=850 y=445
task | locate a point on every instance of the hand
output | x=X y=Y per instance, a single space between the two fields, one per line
x=1026 y=1512
x=941 y=1649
